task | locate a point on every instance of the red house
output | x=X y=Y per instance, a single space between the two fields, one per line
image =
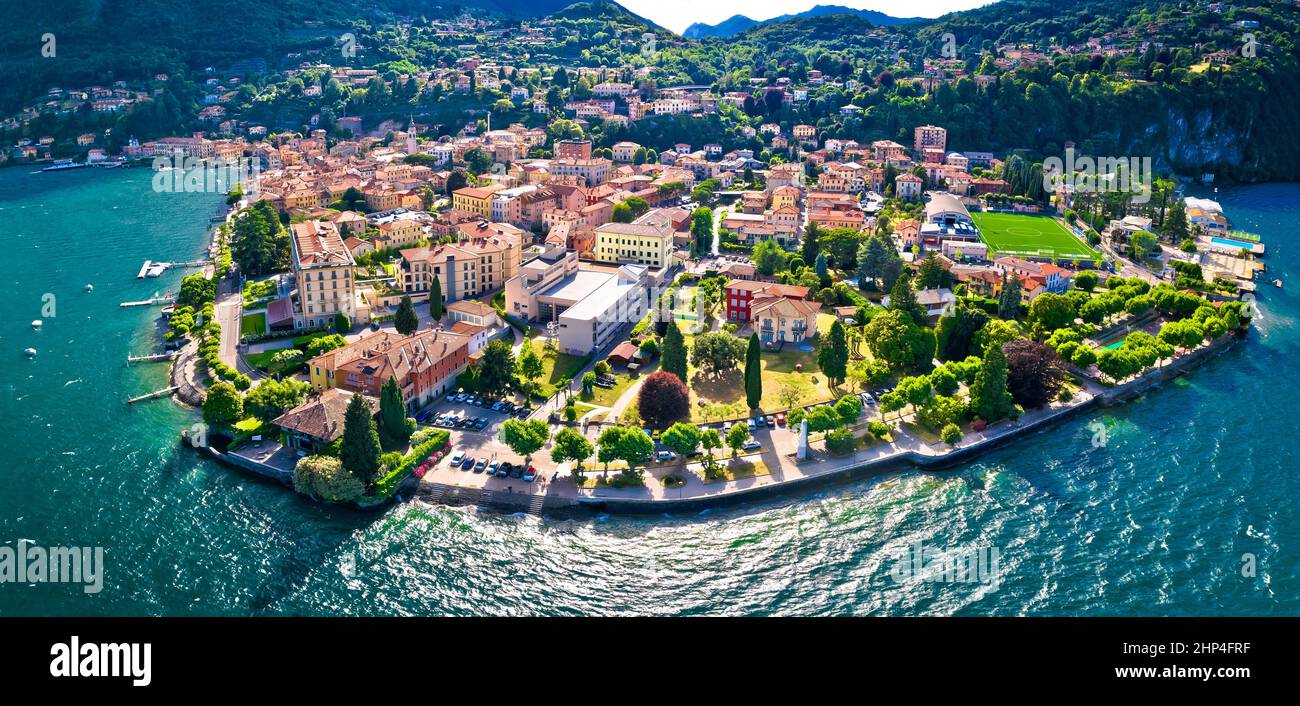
x=742 y=292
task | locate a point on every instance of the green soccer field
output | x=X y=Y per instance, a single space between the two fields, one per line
x=1019 y=235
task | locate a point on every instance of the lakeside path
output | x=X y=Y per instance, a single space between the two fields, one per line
x=555 y=488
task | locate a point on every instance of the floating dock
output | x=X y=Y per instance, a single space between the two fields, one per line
x=157 y=357
x=149 y=302
x=165 y=392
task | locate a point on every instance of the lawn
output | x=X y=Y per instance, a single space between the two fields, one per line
x=737 y=469
x=253 y=324
x=555 y=367
x=1018 y=234
x=788 y=374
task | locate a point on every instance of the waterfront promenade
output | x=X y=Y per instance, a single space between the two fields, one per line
x=555 y=488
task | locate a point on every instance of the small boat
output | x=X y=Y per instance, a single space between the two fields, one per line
x=30 y=352
x=1277 y=283
x=37 y=324
x=90 y=288
x=62 y=164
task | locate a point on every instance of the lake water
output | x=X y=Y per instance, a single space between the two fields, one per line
x=1157 y=521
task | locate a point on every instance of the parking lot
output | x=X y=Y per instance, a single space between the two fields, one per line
x=471 y=413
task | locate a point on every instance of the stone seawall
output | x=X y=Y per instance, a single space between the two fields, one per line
x=912 y=459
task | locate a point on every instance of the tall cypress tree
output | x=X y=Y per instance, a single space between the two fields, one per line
x=674 y=351
x=392 y=412
x=810 y=246
x=833 y=354
x=359 y=452
x=753 y=373
x=989 y=397
x=406 y=320
x=1009 y=299
x=902 y=298
x=435 y=299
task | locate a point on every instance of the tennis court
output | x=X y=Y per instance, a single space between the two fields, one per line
x=1021 y=235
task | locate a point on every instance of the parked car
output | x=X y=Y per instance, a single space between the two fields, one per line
x=480 y=466
x=530 y=474
x=751 y=445
x=505 y=468
x=517 y=471
x=780 y=418
x=662 y=456
x=769 y=421
x=480 y=424
x=492 y=468
x=457 y=458
x=752 y=425
x=468 y=463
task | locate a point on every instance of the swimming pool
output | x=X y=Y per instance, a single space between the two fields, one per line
x=1232 y=243
x=1113 y=345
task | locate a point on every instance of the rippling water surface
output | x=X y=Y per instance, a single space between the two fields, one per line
x=1192 y=478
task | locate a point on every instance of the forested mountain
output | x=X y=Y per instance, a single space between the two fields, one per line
x=1173 y=79
x=739 y=23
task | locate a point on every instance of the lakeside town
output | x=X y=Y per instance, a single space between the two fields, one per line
x=458 y=311
x=570 y=337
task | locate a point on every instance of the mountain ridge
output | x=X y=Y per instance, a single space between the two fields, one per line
x=739 y=23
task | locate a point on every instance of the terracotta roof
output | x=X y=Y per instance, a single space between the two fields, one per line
x=768 y=288
x=471 y=306
x=318 y=243
x=321 y=415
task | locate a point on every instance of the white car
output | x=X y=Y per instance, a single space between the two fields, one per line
x=457 y=458
x=751 y=445
x=665 y=456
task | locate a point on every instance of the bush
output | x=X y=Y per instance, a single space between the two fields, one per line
x=324 y=477
x=951 y=434
x=840 y=442
x=878 y=429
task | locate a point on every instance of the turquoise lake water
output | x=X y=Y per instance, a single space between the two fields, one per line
x=1191 y=478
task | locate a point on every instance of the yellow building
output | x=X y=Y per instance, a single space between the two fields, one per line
x=322 y=268
x=476 y=200
x=641 y=243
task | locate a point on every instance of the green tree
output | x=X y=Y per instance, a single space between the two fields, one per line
x=990 y=399
x=1086 y=280
x=359 y=450
x=406 y=321
x=833 y=354
x=435 y=299
x=737 y=435
x=810 y=247
x=223 y=404
x=324 y=477
x=342 y=323
x=674 y=351
x=271 y=398
x=496 y=367
x=950 y=434
x=716 y=352
x=571 y=445
x=894 y=338
x=525 y=437
x=682 y=437
x=529 y=367
x=931 y=274
x=1009 y=298
x=1051 y=311
x=753 y=373
x=902 y=298
x=392 y=414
